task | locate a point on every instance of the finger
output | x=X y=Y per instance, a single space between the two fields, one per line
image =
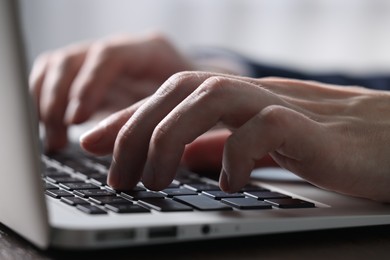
x=61 y=70
x=286 y=133
x=318 y=99
x=102 y=65
x=204 y=154
x=37 y=77
x=100 y=140
x=106 y=60
x=203 y=109
x=306 y=89
x=131 y=145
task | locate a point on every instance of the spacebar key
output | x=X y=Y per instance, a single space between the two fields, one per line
x=201 y=202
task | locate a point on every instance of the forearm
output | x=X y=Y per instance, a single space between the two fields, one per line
x=222 y=60
x=374 y=81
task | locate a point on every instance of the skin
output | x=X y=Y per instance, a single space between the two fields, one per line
x=326 y=134
x=72 y=84
x=332 y=136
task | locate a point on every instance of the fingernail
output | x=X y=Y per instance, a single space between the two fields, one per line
x=71 y=111
x=114 y=177
x=224 y=181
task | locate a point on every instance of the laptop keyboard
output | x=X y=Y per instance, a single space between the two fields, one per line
x=79 y=180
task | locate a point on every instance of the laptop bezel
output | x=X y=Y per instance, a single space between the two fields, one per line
x=25 y=212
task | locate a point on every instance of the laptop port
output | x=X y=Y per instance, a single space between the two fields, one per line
x=162 y=232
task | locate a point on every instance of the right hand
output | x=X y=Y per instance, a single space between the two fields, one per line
x=72 y=84
x=334 y=137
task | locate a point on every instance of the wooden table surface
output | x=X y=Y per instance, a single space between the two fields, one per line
x=359 y=243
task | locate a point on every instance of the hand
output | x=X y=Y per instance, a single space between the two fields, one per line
x=330 y=135
x=73 y=84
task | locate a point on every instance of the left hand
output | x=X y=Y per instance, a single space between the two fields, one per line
x=83 y=81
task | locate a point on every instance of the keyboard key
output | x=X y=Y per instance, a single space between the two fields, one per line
x=66 y=176
x=290 y=203
x=103 y=161
x=100 y=179
x=251 y=187
x=85 y=170
x=202 y=187
x=127 y=208
x=109 y=200
x=164 y=205
x=137 y=195
x=78 y=164
x=136 y=188
x=188 y=179
x=63 y=179
x=89 y=173
x=52 y=171
x=218 y=194
x=174 y=185
x=262 y=195
x=93 y=193
x=90 y=209
x=49 y=186
x=73 y=201
x=58 y=193
x=178 y=192
x=79 y=186
x=201 y=202
x=247 y=203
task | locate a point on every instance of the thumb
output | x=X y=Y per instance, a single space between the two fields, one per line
x=204 y=155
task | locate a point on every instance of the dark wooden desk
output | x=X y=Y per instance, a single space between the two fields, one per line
x=359 y=243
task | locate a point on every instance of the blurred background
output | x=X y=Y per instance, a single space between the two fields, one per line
x=351 y=36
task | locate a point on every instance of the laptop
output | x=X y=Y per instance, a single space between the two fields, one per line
x=63 y=201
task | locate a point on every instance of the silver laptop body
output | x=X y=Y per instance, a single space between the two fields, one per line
x=46 y=222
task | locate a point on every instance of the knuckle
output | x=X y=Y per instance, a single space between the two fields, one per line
x=209 y=84
x=272 y=115
x=160 y=135
x=103 y=51
x=175 y=81
x=123 y=137
x=215 y=83
x=215 y=87
x=180 y=77
x=124 y=134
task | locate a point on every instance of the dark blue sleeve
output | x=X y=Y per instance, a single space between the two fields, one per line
x=381 y=82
